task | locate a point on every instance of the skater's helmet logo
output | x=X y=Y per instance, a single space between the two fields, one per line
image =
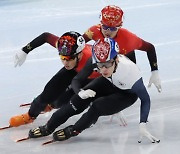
x=111 y=16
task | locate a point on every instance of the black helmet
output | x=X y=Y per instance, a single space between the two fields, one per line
x=70 y=44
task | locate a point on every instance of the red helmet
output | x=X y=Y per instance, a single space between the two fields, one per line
x=111 y=16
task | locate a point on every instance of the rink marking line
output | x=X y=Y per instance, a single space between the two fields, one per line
x=165 y=81
x=43 y=59
x=155 y=112
x=68 y=12
x=55 y=58
x=167 y=43
x=171 y=80
x=164 y=112
x=10 y=50
x=150 y=5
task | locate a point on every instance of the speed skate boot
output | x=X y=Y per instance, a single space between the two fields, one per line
x=64 y=134
x=39 y=132
x=19 y=120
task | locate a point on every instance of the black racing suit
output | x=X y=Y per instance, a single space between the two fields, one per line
x=114 y=101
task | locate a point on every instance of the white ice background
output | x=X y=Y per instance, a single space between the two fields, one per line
x=156 y=21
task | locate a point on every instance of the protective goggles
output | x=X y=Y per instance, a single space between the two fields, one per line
x=68 y=58
x=106 y=64
x=109 y=28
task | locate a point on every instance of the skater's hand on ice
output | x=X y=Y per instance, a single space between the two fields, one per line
x=155 y=80
x=144 y=132
x=19 y=58
x=84 y=94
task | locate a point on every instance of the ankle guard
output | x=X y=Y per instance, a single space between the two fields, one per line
x=64 y=134
x=39 y=132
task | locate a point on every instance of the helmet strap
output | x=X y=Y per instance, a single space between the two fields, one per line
x=115 y=63
x=77 y=61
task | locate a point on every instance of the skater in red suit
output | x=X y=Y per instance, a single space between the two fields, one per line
x=111 y=21
x=74 y=54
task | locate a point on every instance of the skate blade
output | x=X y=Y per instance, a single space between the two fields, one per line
x=22 y=139
x=48 y=142
x=27 y=104
x=2 y=128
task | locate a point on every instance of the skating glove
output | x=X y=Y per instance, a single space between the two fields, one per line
x=19 y=58
x=155 y=80
x=121 y=117
x=84 y=94
x=144 y=132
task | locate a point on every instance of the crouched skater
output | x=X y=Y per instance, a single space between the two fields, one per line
x=118 y=88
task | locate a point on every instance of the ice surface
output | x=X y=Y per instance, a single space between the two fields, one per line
x=156 y=21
